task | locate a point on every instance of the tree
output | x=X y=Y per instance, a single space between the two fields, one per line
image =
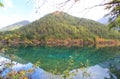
x=114 y=14
x=1 y=4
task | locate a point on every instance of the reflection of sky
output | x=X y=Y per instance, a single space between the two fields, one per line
x=95 y=72
x=17 y=10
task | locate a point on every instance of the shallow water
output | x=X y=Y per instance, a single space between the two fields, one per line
x=59 y=58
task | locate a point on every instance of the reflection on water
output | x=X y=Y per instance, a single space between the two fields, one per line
x=58 y=57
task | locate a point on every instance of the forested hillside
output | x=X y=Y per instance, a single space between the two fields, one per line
x=65 y=26
x=62 y=26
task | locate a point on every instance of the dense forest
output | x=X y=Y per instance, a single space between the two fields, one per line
x=60 y=26
x=64 y=26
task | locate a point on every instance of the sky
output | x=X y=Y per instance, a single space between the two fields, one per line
x=18 y=10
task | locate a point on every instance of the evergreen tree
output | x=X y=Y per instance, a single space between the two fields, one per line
x=114 y=14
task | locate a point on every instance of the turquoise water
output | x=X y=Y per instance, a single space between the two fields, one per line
x=58 y=57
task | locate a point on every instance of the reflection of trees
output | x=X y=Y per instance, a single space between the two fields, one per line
x=59 y=56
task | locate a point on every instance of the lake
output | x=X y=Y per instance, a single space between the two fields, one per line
x=59 y=58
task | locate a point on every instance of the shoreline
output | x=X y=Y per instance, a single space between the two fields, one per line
x=97 y=42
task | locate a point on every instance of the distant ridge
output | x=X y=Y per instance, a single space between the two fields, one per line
x=24 y=22
x=104 y=20
x=15 y=25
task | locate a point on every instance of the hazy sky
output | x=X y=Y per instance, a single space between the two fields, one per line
x=17 y=10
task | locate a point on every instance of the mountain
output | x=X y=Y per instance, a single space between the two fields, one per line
x=15 y=25
x=64 y=26
x=104 y=20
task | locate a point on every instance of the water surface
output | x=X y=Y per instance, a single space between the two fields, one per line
x=60 y=57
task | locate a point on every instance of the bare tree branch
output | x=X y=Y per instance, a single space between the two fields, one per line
x=109 y=3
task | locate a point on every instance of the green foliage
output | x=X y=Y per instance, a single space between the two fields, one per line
x=37 y=64
x=66 y=73
x=24 y=74
x=114 y=14
x=13 y=74
x=1 y=4
x=60 y=26
x=63 y=26
x=114 y=71
x=115 y=23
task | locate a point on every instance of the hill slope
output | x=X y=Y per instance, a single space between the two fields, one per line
x=62 y=26
x=104 y=20
x=15 y=25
